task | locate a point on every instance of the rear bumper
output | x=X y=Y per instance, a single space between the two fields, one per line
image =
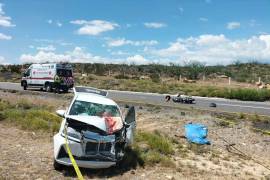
x=64 y=86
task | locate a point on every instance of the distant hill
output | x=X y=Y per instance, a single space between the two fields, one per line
x=241 y=72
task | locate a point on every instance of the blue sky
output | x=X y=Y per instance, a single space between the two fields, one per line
x=141 y=32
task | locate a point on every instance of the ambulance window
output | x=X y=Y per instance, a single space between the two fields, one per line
x=64 y=72
x=60 y=72
x=27 y=73
x=68 y=73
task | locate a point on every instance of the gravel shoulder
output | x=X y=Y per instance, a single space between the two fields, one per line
x=29 y=155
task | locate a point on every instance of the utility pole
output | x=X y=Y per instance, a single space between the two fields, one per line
x=229 y=80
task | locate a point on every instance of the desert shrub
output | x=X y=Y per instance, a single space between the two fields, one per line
x=156 y=141
x=24 y=104
x=121 y=76
x=32 y=119
x=249 y=94
x=155 y=77
x=242 y=116
x=4 y=105
x=153 y=148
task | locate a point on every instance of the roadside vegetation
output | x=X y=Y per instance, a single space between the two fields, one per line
x=159 y=147
x=149 y=148
x=204 y=80
x=154 y=147
x=29 y=116
x=205 y=90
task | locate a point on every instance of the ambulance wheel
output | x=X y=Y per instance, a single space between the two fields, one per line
x=24 y=84
x=48 y=87
x=57 y=166
x=65 y=90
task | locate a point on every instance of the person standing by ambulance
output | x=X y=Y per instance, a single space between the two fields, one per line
x=57 y=82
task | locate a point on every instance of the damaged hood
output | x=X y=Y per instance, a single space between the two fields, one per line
x=96 y=121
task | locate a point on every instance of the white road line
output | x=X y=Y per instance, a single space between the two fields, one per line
x=254 y=107
x=9 y=83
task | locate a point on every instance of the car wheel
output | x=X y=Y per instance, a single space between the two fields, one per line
x=24 y=84
x=57 y=166
x=48 y=87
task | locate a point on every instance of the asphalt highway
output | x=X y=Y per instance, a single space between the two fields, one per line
x=226 y=105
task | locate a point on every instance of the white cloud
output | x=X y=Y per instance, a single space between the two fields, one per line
x=128 y=25
x=55 y=42
x=253 y=23
x=59 y=24
x=76 y=55
x=2 y=59
x=118 y=53
x=5 y=37
x=94 y=27
x=155 y=25
x=5 y=21
x=211 y=40
x=203 y=19
x=49 y=21
x=46 y=48
x=137 y=59
x=215 y=49
x=181 y=10
x=233 y=25
x=123 y=41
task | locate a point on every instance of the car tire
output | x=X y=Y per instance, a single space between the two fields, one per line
x=24 y=84
x=57 y=166
x=48 y=87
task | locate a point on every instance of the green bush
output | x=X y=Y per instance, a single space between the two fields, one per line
x=155 y=77
x=33 y=119
x=156 y=141
x=28 y=116
x=121 y=76
x=249 y=94
x=154 y=148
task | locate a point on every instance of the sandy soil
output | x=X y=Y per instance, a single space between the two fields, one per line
x=29 y=155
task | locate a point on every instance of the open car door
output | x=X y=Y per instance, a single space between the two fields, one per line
x=130 y=120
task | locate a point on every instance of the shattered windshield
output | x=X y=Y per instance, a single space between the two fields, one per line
x=83 y=108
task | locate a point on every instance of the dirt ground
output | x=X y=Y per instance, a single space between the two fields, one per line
x=29 y=155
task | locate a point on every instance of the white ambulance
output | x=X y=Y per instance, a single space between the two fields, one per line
x=44 y=76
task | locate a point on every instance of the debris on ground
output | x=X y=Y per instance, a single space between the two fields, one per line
x=196 y=133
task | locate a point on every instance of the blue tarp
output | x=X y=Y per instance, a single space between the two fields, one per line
x=196 y=133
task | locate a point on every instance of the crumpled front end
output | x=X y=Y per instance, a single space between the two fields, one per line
x=90 y=147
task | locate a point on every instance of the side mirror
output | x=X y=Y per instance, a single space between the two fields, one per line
x=130 y=117
x=61 y=113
